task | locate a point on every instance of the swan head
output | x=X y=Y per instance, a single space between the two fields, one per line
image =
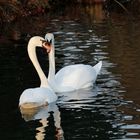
x=48 y=42
x=49 y=37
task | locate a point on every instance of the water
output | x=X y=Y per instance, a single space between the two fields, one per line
x=111 y=110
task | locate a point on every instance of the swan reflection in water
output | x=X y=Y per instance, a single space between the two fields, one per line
x=42 y=114
x=78 y=99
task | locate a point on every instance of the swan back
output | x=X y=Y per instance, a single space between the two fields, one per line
x=40 y=95
x=75 y=77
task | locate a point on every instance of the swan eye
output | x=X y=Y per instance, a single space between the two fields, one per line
x=48 y=42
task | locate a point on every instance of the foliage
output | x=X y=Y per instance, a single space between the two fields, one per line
x=36 y=5
x=11 y=9
x=8 y=10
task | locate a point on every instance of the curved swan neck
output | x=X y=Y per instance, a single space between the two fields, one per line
x=35 y=41
x=51 y=74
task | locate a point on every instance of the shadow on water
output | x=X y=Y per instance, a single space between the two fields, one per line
x=108 y=111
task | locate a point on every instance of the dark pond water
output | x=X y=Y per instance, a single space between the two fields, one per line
x=111 y=110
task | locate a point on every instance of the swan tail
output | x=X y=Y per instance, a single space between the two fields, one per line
x=97 y=67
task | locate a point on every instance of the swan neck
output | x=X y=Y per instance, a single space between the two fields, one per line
x=33 y=58
x=51 y=75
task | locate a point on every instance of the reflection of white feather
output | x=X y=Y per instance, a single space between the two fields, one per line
x=78 y=99
x=42 y=114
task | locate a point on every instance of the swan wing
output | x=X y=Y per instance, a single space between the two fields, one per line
x=97 y=67
x=76 y=76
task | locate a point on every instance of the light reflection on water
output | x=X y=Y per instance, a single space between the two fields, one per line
x=103 y=112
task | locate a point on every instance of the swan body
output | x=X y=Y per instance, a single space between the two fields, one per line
x=38 y=96
x=76 y=77
x=71 y=77
x=43 y=95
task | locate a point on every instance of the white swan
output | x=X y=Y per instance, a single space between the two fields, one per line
x=43 y=95
x=71 y=77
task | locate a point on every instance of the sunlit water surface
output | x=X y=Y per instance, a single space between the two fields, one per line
x=110 y=110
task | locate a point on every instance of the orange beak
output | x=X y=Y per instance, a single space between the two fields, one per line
x=46 y=46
